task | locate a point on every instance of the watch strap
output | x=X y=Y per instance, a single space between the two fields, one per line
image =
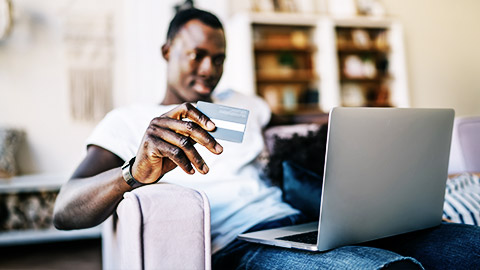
x=128 y=177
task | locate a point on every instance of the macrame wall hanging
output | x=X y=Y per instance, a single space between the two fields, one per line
x=89 y=48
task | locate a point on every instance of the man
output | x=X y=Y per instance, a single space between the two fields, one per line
x=170 y=149
x=194 y=51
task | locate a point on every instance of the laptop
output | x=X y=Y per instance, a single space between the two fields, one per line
x=385 y=174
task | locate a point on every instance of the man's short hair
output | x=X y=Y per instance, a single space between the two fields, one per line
x=186 y=15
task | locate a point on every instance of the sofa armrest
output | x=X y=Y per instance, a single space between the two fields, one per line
x=160 y=226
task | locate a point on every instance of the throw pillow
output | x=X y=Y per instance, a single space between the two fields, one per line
x=302 y=189
x=462 y=199
x=305 y=147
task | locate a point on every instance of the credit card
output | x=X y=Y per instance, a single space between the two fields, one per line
x=230 y=122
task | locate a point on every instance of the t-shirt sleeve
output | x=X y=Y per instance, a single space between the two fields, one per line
x=113 y=134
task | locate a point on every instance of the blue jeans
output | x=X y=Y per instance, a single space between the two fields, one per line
x=448 y=246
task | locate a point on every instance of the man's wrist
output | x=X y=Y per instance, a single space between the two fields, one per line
x=128 y=177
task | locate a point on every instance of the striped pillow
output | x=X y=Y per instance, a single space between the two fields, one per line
x=462 y=199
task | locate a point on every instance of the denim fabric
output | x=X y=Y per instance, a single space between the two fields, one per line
x=448 y=246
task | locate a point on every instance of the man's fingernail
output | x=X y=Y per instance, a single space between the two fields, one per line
x=210 y=125
x=218 y=148
x=192 y=171
x=205 y=168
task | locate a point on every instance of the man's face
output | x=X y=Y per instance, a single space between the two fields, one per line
x=195 y=62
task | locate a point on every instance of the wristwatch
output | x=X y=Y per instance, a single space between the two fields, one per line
x=128 y=177
x=127 y=174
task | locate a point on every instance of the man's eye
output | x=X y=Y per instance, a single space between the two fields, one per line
x=196 y=56
x=218 y=60
x=192 y=56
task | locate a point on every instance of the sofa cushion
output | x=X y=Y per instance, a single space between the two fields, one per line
x=302 y=189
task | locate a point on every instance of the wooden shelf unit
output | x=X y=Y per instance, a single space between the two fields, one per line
x=320 y=82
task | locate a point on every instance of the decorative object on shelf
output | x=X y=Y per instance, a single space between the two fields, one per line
x=342 y=8
x=272 y=97
x=308 y=6
x=287 y=63
x=10 y=141
x=352 y=95
x=355 y=67
x=89 y=42
x=289 y=98
x=370 y=8
x=262 y=6
x=310 y=96
x=285 y=5
x=381 y=41
x=369 y=68
x=267 y=65
x=379 y=97
x=299 y=39
x=361 y=39
x=27 y=211
x=6 y=18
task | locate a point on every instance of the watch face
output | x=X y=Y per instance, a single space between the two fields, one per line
x=5 y=18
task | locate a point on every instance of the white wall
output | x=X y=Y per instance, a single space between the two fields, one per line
x=442 y=49
x=34 y=94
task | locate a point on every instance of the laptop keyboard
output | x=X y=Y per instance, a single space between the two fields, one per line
x=307 y=238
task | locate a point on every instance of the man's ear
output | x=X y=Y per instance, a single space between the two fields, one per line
x=166 y=51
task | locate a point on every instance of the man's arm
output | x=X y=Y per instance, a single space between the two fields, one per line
x=97 y=186
x=92 y=193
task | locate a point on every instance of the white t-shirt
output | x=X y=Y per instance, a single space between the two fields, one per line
x=238 y=198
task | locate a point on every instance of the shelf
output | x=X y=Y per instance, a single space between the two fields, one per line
x=363 y=22
x=290 y=48
x=279 y=18
x=285 y=79
x=21 y=237
x=362 y=80
x=32 y=182
x=362 y=50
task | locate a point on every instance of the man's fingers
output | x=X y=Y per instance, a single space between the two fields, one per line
x=169 y=142
x=188 y=129
x=185 y=144
x=188 y=111
x=173 y=153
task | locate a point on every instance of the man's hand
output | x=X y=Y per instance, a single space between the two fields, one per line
x=168 y=143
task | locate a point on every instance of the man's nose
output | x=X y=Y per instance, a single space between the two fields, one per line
x=206 y=67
